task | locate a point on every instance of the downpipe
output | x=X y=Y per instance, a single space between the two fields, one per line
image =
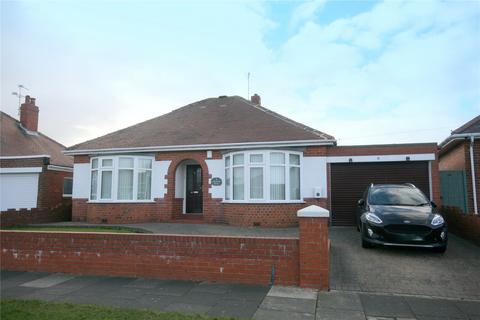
x=472 y=166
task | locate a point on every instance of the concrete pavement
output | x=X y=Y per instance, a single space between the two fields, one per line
x=240 y=301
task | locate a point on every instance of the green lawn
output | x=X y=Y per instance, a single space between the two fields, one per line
x=40 y=310
x=114 y=229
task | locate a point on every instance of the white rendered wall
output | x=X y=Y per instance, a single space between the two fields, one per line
x=18 y=190
x=81 y=181
x=217 y=169
x=314 y=175
x=159 y=171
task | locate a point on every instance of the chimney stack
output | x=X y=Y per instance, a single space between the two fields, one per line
x=256 y=99
x=29 y=114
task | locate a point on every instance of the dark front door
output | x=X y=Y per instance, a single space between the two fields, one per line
x=194 y=199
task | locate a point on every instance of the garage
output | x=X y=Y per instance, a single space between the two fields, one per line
x=349 y=181
x=18 y=190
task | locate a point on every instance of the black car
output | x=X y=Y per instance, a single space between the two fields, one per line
x=400 y=215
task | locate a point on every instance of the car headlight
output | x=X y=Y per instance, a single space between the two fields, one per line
x=372 y=217
x=437 y=220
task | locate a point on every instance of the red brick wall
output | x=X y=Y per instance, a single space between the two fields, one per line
x=315 y=151
x=267 y=214
x=454 y=159
x=314 y=252
x=464 y=225
x=51 y=205
x=468 y=174
x=16 y=163
x=211 y=258
x=79 y=210
x=383 y=149
x=81 y=159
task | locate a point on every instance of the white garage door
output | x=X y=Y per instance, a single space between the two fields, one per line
x=18 y=190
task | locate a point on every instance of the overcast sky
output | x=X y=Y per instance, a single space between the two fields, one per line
x=365 y=72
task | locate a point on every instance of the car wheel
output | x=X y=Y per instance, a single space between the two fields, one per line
x=441 y=249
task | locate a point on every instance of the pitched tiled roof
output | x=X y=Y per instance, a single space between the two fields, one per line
x=220 y=120
x=472 y=126
x=15 y=141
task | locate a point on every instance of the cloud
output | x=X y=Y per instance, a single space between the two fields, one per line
x=305 y=12
x=399 y=72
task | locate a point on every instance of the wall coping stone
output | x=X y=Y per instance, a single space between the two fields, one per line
x=313 y=211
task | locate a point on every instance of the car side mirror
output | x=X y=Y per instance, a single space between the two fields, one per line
x=434 y=205
x=361 y=202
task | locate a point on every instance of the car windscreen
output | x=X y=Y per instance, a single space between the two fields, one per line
x=396 y=196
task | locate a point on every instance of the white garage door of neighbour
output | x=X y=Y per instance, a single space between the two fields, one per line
x=18 y=190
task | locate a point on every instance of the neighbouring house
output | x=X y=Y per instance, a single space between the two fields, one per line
x=231 y=160
x=460 y=167
x=35 y=175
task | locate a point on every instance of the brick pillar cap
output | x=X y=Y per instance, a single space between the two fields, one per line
x=313 y=212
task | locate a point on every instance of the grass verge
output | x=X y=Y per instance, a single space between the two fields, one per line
x=114 y=229
x=12 y=309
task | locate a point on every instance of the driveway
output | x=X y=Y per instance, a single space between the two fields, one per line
x=454 y=274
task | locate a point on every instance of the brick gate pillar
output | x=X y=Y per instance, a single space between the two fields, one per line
x=314 y=247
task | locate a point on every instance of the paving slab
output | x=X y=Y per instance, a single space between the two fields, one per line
x=243 y=309
x=292 y=292
x=385 y=306
x=470 y=308
x=21 y=278
x=339 y=314
x=339 y=300
x=17 y=292
x=188 y=308
x=209 y=287
x=435 y=308
x=72 y=285
x=263 y=314
x=247 y=292
x=48 y=281
x=142 y=283
x=201 y=298
x=155 y=302
x=289 y=304
x=172 y=288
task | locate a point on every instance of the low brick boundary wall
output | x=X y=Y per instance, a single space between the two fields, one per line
x=222 y=259
x=287 y=261
x=464 y=225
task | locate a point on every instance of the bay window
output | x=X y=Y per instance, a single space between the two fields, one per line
x=257 y=176
x=121 y=178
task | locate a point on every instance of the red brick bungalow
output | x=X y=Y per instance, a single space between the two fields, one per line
x=460 y=153
x=35 y=175
x=231 y=160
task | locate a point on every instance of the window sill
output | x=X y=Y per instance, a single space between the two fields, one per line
x=263 y=201
x=66 y=195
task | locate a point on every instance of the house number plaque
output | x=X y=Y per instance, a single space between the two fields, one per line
x=216 y=181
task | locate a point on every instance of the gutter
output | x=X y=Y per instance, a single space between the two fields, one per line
x=471 y=137
x=241 y=145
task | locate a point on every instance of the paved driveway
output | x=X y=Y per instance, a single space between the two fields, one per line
x=455 y=274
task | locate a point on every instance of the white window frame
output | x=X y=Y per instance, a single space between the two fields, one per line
x=266 y=176
x=115 y=168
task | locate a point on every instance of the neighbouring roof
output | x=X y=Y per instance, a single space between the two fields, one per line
x=471 y=127
x=221 y=120
x=15 y=141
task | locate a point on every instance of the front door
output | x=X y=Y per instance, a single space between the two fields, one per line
x=194 y=198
